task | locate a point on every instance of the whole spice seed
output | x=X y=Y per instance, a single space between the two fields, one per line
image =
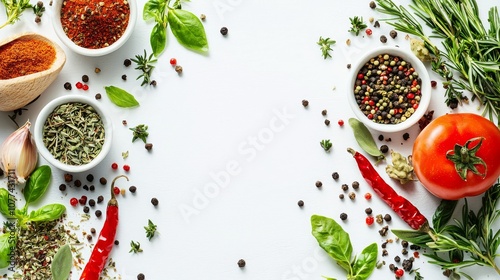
x=74 y=133
x=132 y=189
x=300 y=203
x=393 y=34
x=62 y=187
x=343 y=216
x=305 y=103
x=319 y=184
x=224 y=31
x=85 y=78
x=94 y=24
x=324 y=112
x=67 y=86
x=127 y=62
x=148 y=146
x=335 y=175
x=140 y=276
x=103 y=181
x=98 y=96
x=387 y=89
x=383 y=39
x=327 y=122
x=154 y=201
x=25 y=56
x=178 y=69
x=241 y=263
x=78 y=183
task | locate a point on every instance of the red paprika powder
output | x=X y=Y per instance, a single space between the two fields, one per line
x=94 y=24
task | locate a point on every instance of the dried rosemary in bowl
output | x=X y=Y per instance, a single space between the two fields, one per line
x=74 y=133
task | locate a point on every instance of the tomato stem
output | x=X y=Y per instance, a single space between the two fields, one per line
x=465 y=159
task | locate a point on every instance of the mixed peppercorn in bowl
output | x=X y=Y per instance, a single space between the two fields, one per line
x=390 y=89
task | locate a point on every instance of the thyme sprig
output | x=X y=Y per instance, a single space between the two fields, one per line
x=135 y=247
x=150 y=229
x=326 y=46
x=469 y=241
x=14 y=10
x=357 y=25
x=468 y=48
x=145 y=64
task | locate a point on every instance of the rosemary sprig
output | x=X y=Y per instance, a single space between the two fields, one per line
x=135 y=247
x=14 y=9
x=326 y=46
x=467 y=47
x=357 y=25
x=145 y=64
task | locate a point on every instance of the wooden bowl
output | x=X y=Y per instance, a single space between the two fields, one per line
x=17 y=92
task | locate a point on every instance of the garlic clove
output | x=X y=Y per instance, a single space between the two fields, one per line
x=18 y=153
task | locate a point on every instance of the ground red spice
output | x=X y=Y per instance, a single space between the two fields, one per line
x=25 y=56
x=94 y=24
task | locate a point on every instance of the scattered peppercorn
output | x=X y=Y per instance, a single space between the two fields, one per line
x=85 y=187
x=414 y=247
x=117 y=242
x=343 y=216
x=345 y=187
x=399 y=273
x=67 y=86
x=319 y=184
x=241 y=263
x=92 y=202
x=341 y=122
x=369 y=220
x=114 y=165
x=224 y=31
x=103 y=181
x=368 y=32
x=379 y=219
x=62 y=187
x=341 y=196
x=352 y=195
x=203 y=17
x=178 y=69
x=406 y=136
x=85 y=87
x=100 y=199
x=92 y=230
x=73 y=201
x=78 y=183
x=368 y=211
x=384 y=149
x=85 y=78
x=124 y=77
x=97 y=70
x=433 y=83
x=92 y=188
x=300 y=203
x=383 y=39
x=373 y=5
x=116 y=190
x=393 y=34
x=68 y=177
x=148 y=146
x=355 y=185
x=89 y=237
x=404 y=251
x=387 y=218
x=127 y=62
x=392 y=267
x=153 y=83
x=86 y=209
x=384 y=245
x=83 y=200
x=376 y=24
x=381 y=137
x=383 y=231
x=132 y=189
x=126 y=167
x=98 y=96
x=348 y=66
x=397 y=259
x=140 y=276
x=122 y=191
x=124 y=122
x=98 y=213
x=305 y=103
x=327 y=122
x=335 y=175
x=408 y=264
x=404 y=243
x=324 y=112
x=385 y=253
x=368 y=196
x=154 y=201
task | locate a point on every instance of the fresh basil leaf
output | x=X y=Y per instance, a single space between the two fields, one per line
x=443 y=214
x=152 y=9
x=7 y=244
x=37 y=183
x=47 y=213
x=62 y=263
x=414 y=236
x=365 y=262
x=333 y=239
x=7 y=203
x=188 y=29
x=120 y=97
x=158 y=39
x=329 y=278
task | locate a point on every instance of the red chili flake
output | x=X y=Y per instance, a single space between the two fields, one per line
x=369 y=220
x=341 y=122
x=94 y=24
x=399 y=272
x=85 y=87
x=368 y=196
x=116 y=190
x=173 y=61
x=73 y=201
x=79 y=85
x=114 y=165
x=369 y=32
x=126 y=167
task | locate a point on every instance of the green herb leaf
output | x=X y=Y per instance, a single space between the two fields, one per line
x=365 y=262
x=47 y=213
x=188 y=29
x=414 y=236
x=120 y=97
x=357 y=25
x=37 y=184
x=150 y=229
x=140 y=132
x=443 y=214
x=7 y=243
x=326 y=46
x=158 y=39
x=365 y=139
x=7 y=203
x=153 y=10
x=333 y=239
x=135 y=247
x=62 y=263
x=326 y=144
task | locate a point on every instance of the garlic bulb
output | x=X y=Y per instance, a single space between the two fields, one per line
x=18 y=153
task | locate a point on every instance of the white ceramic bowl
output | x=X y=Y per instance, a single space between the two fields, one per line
x=38 y=133
x=425 y=89
x=56 y=23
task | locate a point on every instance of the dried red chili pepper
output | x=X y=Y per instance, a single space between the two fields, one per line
x=400 y=205
x=106 y=240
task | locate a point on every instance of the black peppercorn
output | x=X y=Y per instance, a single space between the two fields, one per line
x=355 y=185
x=85 y=78
x=89 y=237
x=387 y=217
x=85 y=187
x=368 y=211
x=373 y=5
x=148 y=146
x=383 y=39
x=92 y=188
x=127 y=62
x=324 y=112
x=100 y=199
x=349 y=66
x=117 y=242
x=345 y=187
x=241 y=263
x=154 y=201
x=153 y=83
x=393 y=34
x=406 y=136
x=103 y=181
x=341 y=196
x=92 y=202
x=300 y=203
x=98 y=96
x=384 y=149
x=376 y=24
x=404 y=243
x=343 y=216
x=92 y=230
x=98 y=213
x=305 y=103
x=67 y=86
x=132 y=189
x=78 y=183
x=124 y=77
x=86 y=209
x=68 y=177
x=319 y=184
x=397 y=259
x=62 y=187
x=141 y=276
x=381 y=137
x=327 y=122
x=224 y=31
x=335 y=175
x=392 y=267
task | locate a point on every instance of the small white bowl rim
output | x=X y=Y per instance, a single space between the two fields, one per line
x=44 y=113
x=425 y=89
x=56 y=23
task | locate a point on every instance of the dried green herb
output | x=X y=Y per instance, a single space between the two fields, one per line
x=135 y=247
x=62 y=263
x=120 y=97
x=140 y=132
x=150 y=229
x=326 y=46
x=145 y=65
x=357 y=25
x=326 y=144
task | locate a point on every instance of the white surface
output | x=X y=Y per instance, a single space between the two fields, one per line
x=236 y=114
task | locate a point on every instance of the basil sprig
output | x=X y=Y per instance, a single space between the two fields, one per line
x=121 y=97
x=336 y=242
x=36 y=187
x=186 y=27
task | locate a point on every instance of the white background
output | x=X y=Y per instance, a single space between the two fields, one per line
x=237 y=109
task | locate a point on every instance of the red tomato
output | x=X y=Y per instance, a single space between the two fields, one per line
x=438 y=174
